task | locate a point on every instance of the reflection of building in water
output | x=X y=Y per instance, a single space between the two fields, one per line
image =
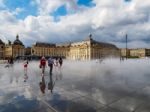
x=2 y=45
x=140 y=52
x=14 y=49
x=84 y=50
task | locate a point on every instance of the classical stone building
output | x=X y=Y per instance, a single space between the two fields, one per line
x=27 y=51
x=2 y=45
x=84 y=50
x=43 y=49
x=90 y=49
x=125 y=52
x=141 y=52
x=62 y=50
x=15 y=49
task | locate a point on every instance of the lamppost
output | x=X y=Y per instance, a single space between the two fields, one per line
x=126 y=46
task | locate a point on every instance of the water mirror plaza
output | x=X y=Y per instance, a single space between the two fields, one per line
x=79 y=86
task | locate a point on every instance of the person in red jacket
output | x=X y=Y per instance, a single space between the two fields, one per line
x=43 y=64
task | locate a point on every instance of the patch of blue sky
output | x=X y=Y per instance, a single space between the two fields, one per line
x=28 y=9
x=61 y=11
x=87 y=3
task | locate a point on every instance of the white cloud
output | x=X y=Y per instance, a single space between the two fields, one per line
x=108 y=21
x=48 y=6
x=17 y=11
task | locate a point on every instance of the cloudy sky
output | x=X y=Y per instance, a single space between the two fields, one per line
x=63 y=21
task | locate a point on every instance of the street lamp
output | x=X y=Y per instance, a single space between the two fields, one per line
x=126 y=45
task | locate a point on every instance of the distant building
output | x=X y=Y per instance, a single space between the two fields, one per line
x=2 y=47
x=62 y=50
x=15 y=49
x=27 y=51
x=125 y=52
x=43 y=49
x=84 y=50
x=90 y=49
x=141 y=52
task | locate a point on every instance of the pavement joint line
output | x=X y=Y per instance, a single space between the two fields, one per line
x=69 y=100
x=72 y=98
x=138 y=107
x=44 y=101
x=86 y=96
x=108 y=105
x=12 y=87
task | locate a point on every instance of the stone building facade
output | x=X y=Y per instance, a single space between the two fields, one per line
x=27 y=51
x=2 y=47
x=15 y=49
x=141 y=52
x=43 y=49
x=84 y=50
x=125 y=52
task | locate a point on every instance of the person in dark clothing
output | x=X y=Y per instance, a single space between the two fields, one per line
x=60 y=62
x=50 y=64
x=42 y=85
x=11 y=61
x=51 y=84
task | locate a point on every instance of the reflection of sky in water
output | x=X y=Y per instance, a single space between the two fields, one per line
x=89 y=86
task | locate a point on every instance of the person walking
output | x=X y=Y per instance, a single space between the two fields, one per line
x=11 y=61
x=50 y=64
x=60 y=61
x=43 y=64
x=25 y=64
x=56 y=62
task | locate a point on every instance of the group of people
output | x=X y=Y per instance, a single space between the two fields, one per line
x=57 y=62
x=51 y=62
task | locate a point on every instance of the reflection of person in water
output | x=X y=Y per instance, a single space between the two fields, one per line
x=51 y=84
x=42 y=85
x=25 y=64
x=59 y=74
x=25 y=77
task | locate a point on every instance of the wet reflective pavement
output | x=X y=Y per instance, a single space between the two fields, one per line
x=110 y=86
